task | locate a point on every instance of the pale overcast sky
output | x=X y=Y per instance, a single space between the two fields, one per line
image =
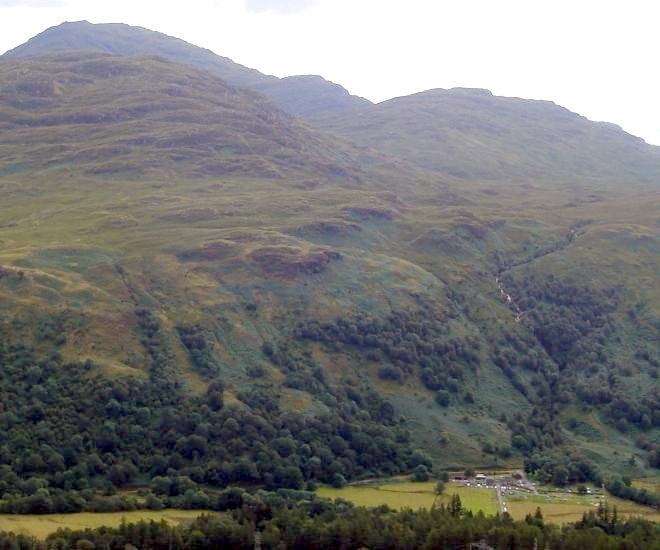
x=598 y=58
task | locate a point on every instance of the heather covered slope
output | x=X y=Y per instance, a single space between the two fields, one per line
x=474 y=135
x=300 y=95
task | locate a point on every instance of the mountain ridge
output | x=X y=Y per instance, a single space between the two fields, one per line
x=119 y=38
x=159 y=111
x=512 y=138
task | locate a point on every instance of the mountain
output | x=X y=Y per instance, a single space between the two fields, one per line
x=103 y=114
x=299 y=95
x=199 y=290
x=475 y=135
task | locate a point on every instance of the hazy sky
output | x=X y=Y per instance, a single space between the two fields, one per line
x=598 y=58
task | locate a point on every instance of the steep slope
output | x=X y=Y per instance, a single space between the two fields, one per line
x=474 y=135
x=107 y=114
x=299 y=95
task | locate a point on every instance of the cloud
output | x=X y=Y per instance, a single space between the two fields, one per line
x=280 y=7
x=31 y=3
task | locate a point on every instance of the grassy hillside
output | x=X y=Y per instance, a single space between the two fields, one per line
x=199 y=290
x=107 y=114
x=474 y=135
x=299 y=95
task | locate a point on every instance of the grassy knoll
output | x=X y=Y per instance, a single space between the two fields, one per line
x=405 y=494
x=41 y=526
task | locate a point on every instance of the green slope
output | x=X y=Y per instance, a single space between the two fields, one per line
x=109 y=114
x=474 y=135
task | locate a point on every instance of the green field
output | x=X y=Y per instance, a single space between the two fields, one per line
x=651 y=484
x=406 y=494
x=566 y=507
x=41 y=526
x=557 y=507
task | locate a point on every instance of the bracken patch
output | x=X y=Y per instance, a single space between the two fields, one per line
x=287 y=261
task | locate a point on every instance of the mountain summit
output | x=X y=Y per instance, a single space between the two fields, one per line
x=299 y=95
x=459 y=133
x=473 y=134
x=103 y=113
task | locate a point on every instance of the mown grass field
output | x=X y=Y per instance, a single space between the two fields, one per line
x=565 y=508
x=649 y=483
x=40 y=526
x=406 y=494
x=556 y=507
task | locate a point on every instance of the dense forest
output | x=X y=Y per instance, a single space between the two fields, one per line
x=70 y=438
x=419 y=341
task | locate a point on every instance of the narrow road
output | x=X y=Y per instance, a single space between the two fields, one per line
x=500 y=499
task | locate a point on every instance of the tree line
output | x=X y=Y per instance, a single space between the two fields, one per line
x=300 y=520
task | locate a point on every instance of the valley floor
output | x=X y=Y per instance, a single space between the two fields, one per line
x=558 y=506
x=40 y=526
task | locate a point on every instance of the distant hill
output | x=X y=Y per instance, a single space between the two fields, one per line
x=105 y=114
x=472 y=134
x=299 y=95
